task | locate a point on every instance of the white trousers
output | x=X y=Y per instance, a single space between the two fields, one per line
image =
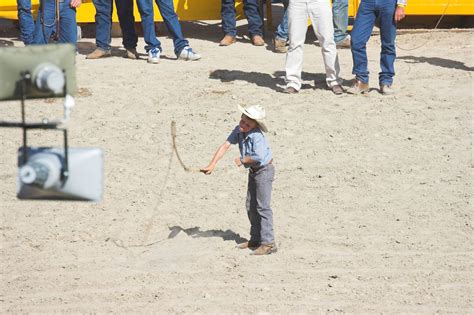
x=320 y=13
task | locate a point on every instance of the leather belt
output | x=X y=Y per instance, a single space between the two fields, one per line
x=255 y=169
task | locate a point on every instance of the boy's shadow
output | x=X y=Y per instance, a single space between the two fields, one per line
x=227 y=235
x=274 y=82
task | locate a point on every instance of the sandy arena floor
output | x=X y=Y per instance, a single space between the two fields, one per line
x=372 y=198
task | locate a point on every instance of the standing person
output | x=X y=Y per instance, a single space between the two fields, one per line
x=340 y=19
x=56 y=20
x=229 y=27
x=255 y=154
x=321 y=17
x=129 y=36
x=26 y=21
x=388 y=13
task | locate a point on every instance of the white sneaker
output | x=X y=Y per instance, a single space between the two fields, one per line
x=189 y=54
x=386 y=89
x=154 y=55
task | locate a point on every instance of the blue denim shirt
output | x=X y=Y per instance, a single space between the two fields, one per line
x=253 y=144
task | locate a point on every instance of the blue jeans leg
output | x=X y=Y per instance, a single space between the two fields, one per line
x=27 y=23
x=172 y=24
x=388 y=32
x=340 y=18
x=228 y=17
x=363 y=25
x=255 y=23
x=282 y=29
x=103 y=23
x=46 y=25
x=145 y=7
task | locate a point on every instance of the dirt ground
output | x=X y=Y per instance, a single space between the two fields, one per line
x=372 y=199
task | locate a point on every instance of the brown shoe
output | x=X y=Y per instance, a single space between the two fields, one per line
x=249 y=244
x=265 y=249
x=257 y=40
x=358 y=87
x=279 y=46
x=290 y=90
x=227 y=40
x=131 y=53
x=345 y=43
x=99 y=53
x=337 y=89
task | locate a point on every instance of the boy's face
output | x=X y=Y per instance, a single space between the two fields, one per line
x=246 y=124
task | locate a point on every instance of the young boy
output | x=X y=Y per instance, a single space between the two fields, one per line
x=255 y=154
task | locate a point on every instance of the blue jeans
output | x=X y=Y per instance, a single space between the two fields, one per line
x=340 y=19
x=251 y=12
x=282 y=29
x=103 y=23
x=27 y=23
x=145 y=7
x=46 y=23
x=369 y=11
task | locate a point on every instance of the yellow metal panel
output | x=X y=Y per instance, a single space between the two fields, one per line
x=190 y=10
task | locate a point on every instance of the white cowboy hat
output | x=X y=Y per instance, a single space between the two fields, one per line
x=257 y=113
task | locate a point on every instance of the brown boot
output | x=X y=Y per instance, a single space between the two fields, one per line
x=249 y=244
x=358 y=87
x=279 y=46
x=131 y=53
x=257 y=40
x=265 y=249
x=227 y=40
x=99 y=53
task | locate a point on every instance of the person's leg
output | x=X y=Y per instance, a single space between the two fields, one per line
x=26 y=21
x=282 y=29
x=127 y=23
x=252 y=213
x=228 y=18
x=255 y=23
x=321 y=18
x=363 y=25
x=172 y=24
x=103 y=23
x=148 y=24
x=68 y=25
x=297 y=27
x=388 y=32
x=46 y=22
x=340 y=18
x=263 y=184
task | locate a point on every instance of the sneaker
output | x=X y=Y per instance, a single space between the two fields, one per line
x=99 y=53
x=386 y=89
x=279 y=46
x=227 y=40
x=290 y=90
x=265 y=249
x=131 y=53
x=345 y=43
x=358 y=88
x=249 y=244
x=257 y=40
x=337 y=89
x=154 y=55
x=189 y=54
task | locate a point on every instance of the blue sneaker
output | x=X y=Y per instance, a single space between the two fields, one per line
x=154 y=55
x=189 y=54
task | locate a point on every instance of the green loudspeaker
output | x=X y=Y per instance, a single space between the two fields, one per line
x=41 y=71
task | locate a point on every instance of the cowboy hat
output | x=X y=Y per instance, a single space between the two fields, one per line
x=257 y=113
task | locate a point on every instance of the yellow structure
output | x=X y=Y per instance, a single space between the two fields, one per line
x=191 y=10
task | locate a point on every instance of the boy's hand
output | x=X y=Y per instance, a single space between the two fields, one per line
x=208 y=169
x=399 y=14
x=237 y=161
x=75 y=3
